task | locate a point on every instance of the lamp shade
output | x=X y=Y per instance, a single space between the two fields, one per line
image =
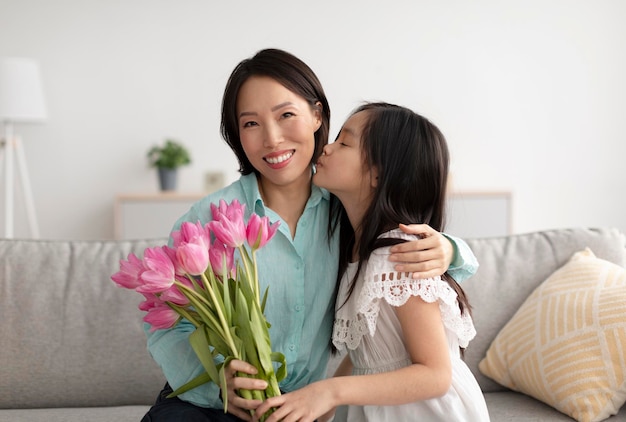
x=21 y=94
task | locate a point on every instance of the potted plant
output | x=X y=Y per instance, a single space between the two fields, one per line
x=167 y=159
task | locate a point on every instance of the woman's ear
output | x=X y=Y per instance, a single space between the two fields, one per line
x=318 y=115
x=374 y=177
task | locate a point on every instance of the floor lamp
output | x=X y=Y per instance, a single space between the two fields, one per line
x=21 y=101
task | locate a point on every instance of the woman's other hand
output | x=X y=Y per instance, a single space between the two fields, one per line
x=426 y=257
x=238 y=405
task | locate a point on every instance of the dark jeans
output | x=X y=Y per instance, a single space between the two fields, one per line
x=176 y=410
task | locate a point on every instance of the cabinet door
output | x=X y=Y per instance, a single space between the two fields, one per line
x=150 y=216
x=478 y=214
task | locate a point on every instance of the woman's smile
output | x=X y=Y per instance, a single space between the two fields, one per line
x=279 y=159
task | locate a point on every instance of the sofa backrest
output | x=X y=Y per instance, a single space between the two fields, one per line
x=69 y=336
x=511 y=267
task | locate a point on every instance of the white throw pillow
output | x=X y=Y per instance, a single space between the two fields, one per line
x=566 y=345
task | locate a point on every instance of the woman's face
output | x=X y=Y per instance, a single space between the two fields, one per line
x=341 y=169
x=276 y=128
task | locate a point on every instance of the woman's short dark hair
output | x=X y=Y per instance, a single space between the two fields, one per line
x=289 y=71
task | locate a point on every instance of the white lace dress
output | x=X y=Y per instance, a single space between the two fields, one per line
x=367 y=325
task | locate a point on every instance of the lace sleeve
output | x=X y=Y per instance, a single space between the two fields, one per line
x=382 y=282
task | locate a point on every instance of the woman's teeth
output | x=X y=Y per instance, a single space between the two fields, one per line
x=279 y=159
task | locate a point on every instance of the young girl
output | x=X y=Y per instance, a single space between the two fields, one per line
x=404 y=336
x=276 y=118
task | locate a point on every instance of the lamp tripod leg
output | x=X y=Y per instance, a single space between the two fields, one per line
x=8 y=185
x=28 y=194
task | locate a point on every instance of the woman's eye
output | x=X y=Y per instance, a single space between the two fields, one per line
x=249 y=124
x=288 y=114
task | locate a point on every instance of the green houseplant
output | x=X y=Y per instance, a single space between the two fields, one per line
x=167 y=158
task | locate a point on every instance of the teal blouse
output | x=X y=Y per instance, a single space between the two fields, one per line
x=301 y=274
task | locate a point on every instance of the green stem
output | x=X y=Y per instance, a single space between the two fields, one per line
x=193 y=297
x=218 y=308
x=246 y=263
x=257 y=289
x=182 y=311
x=192 y=292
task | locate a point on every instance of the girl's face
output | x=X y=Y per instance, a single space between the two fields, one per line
x=342 y=169
x=276 y=128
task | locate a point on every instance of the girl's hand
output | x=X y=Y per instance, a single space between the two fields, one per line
x=237 y=405
x=309 y=404
x=426 y=257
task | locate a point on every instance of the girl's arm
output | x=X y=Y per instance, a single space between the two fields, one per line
x=433 y=254
x=429 y=376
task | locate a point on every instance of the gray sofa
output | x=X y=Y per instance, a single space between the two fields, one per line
x=73 y=348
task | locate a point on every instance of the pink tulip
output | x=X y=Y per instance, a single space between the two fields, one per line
x=151 y=301
x=235 y=207
x=259 y=231
x=189 y=231
x=193 y=257
x=171 y=254
x=129 y=274
x=228 y=224
x=161 y=317
x=191 y=244
x=218 y=252
x=159 y=274
x=174 y=294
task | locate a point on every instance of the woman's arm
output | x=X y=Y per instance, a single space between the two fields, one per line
x=429 y=376
x=433 y=254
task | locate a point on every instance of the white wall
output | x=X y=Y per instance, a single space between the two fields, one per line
x=530 y=94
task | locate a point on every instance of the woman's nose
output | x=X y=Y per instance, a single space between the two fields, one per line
x=326 y=149
x=272 y=136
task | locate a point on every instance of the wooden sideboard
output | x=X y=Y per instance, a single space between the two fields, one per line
x=152 y=215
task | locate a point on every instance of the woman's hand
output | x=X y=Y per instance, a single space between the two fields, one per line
x=426 y=257
x=308 y=404
x=237 y=405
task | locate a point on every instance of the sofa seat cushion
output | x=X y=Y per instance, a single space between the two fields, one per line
x=565 y=345
x=75 y=414
x=510 y=406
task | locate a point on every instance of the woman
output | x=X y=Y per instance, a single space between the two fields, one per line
x=276 y=119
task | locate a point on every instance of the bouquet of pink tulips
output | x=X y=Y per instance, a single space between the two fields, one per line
x=200 y=281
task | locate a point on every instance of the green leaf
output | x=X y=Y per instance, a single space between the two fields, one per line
x=200 y=345
x=224 y=390
x=170 y=155
x=203 y=378
x=264 y=301
x=228 y=305
x=281 y=372
x=246 y=332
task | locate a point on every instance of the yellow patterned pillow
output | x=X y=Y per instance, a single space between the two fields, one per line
x=566 y=345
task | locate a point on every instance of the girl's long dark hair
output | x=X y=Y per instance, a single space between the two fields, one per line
x=411 y=157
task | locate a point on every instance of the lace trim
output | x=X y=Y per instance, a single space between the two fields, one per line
x=348 y=332
x=396 y=288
